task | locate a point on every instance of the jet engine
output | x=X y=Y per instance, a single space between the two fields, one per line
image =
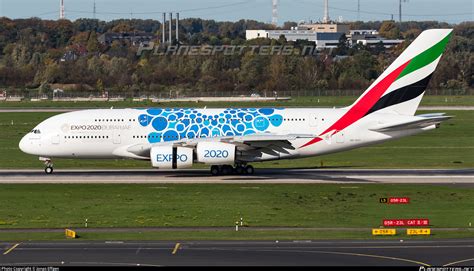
x=169 y=157
x=215 y=153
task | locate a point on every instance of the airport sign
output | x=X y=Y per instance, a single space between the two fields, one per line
x=384 y=231
x=399 y=200
x=418 y=231
x=70 y=233
x=395 y=200
x=405 y=222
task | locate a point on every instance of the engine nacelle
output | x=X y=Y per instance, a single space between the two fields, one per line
x=169 y=157
x=215 y=153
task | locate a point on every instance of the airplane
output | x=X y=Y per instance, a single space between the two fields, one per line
x=228 y=139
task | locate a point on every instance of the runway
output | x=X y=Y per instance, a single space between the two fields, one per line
x=262 y=176
x=242 y=253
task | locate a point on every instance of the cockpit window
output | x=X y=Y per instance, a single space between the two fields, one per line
x=36 y=131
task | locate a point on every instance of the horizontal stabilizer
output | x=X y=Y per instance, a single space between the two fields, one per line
x=424 y=121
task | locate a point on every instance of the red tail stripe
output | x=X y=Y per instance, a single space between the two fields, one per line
x=359 y=110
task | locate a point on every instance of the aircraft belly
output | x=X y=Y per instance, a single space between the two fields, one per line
x=83 y=150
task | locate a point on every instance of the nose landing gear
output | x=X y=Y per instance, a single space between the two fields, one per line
x=48 y=165
x=48 y=170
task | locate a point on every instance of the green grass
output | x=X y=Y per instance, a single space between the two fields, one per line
x=292 y=205
x=311 y=101
x=228 y=234
x=451 y=146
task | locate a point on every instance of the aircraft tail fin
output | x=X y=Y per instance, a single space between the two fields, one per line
x=401 y=86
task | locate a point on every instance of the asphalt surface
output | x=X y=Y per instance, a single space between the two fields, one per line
x=262 y=176
x=242 y=253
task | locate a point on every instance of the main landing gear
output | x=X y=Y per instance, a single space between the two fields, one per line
x=228 y=170
x=48 y=165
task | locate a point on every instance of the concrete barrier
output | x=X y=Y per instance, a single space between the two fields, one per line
x=14 y=99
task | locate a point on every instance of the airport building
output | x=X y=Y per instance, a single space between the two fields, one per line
x=326 y=27
x=325 y=35
x=371 y=38
x=322 y=40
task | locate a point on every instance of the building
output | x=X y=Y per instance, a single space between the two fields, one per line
x=321 y=39
x=290 y=35
x=370 y=38
x=326 y=27
x=134 y=38
x=374 y=42
x=325 y=35
x=328 y=40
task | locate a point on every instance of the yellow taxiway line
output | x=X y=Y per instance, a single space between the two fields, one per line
x=11 y=249
x=461 y=261
x=176 y=247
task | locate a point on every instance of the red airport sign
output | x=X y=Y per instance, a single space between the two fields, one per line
x=399 y=200
x=406 y=222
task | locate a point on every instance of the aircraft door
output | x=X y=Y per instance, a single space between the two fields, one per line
x=313 y=120
x=340 y=137
x=117 y=139
x=55 y=139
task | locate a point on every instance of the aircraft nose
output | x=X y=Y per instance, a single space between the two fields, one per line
x=24 y=144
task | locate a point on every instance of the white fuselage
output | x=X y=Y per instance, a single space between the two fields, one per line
x=109 y=133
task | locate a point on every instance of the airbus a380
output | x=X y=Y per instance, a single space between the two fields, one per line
x=231 y=138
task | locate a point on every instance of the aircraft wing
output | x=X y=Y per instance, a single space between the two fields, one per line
x=421 y=122
x=256 y=144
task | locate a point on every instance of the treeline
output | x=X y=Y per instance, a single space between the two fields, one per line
x=32 y=59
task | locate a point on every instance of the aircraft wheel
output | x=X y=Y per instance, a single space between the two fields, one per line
x=249 y=170
x=239 y=170
x=48 y=170
x=227 y=170
x=215 y=170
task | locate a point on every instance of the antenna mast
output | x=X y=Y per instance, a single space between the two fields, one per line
x=358 y=10
x=326 y=12
x=400 y=9
x=274 y=12
x=61 y=9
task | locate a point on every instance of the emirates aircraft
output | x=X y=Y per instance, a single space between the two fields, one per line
x=228 y=139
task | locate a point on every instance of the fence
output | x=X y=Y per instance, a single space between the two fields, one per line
x=17 y=95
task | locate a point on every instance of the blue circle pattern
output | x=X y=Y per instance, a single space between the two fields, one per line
x=176 y=123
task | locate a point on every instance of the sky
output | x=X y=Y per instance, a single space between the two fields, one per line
x=451 y=11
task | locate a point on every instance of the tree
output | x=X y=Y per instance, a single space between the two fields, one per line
x=93 y=43
x=123 y=27
x=99 y=86
x=289 y=25
x=389 y=30
x=342 y=45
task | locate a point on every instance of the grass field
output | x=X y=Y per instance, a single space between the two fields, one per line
x=229 y=234
x=451 y=146
x=300 y=205
x=310 y=101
